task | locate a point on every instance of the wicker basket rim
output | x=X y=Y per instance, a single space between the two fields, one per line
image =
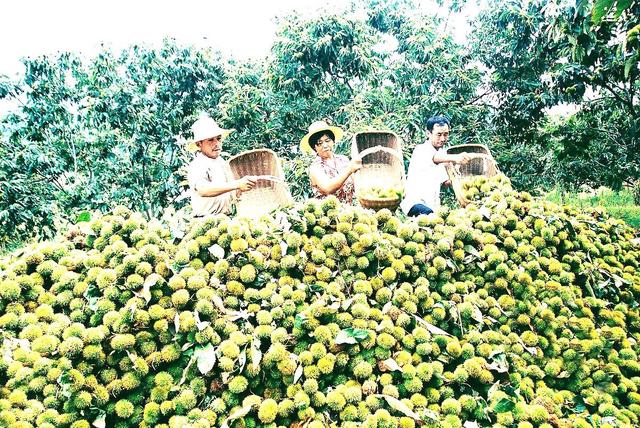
x=377 y=149
x=464 y=146
x=248 y=152
x=379 y=204
x=378 y=199
x=375 y=131
x=481 y=155
x=280 y=194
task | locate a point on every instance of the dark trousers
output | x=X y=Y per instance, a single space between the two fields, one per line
x=418 y=209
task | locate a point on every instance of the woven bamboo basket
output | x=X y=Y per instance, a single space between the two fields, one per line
x=271 y=190
x=382 y=166
x=481 y=163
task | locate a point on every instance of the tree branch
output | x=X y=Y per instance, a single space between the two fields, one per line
x=74 y=154
x=144 y=176
x=479 y=97
x=53 y=181
x=632 y=89
x=618 y=97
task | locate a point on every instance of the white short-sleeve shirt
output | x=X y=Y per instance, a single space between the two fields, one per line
x=424 y=178
x=204 y=171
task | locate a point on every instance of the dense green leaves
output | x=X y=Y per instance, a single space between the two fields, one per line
x=82 y=134
x=89 y=134
x=546 y=53
x=602 y=7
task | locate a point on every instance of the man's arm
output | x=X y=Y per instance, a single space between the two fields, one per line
x=207 y=188
x=441 y=157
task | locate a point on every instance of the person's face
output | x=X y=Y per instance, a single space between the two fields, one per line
x=211 y=147
x=324 y=146
x=439 y=135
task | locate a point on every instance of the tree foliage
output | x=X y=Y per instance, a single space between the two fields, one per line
x=83 y=133
x=87 y=134
x=545 y=53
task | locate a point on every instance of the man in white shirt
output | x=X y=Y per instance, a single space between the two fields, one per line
x=427 y=171
x=210 y=179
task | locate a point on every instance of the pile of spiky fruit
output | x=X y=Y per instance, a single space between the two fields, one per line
x=475 y=188
x=511 y=312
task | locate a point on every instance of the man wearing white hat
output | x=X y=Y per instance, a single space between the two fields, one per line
x=210 y=180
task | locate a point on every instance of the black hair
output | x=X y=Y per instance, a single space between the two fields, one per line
x=313 y=140
x=436 y=120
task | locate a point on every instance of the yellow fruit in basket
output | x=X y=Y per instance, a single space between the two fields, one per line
x=377 y=192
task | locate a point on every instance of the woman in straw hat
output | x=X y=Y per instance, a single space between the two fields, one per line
x=210 y=180
x=330 y=174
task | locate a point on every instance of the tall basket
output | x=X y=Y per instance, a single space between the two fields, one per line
x=271 y=190
x=481 y=163
x=382 y=167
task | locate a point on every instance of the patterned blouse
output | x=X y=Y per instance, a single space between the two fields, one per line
x=333 y=167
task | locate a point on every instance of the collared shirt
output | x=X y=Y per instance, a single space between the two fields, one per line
x=424 y=178
x=333 y=167
x=204 y=171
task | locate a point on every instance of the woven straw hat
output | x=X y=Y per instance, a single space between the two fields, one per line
x=205 y=128
x=315 y=127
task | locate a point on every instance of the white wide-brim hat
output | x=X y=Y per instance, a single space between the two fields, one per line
x=205 y=128
x=316 y=127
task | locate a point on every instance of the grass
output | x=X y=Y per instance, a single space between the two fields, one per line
x=9 y=246
x=617 y=204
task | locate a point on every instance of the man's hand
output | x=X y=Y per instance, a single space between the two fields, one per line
x=463 y=158
x=246 y=183
x=355 y=165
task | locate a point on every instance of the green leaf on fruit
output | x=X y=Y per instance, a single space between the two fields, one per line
x=205 y=358
x=84 y=216
x=504 y=405
x=351 y=336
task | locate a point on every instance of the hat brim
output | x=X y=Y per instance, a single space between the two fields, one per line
x=192 y=146
x=304 y=143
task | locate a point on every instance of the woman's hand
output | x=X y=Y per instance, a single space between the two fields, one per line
x=355 y=165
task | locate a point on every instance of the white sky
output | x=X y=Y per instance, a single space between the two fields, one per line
x=243 y=28
x=239 y=28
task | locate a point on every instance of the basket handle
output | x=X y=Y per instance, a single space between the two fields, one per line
x=484 y=156
x=377 y=149
x=269 y=178
x=477 y=155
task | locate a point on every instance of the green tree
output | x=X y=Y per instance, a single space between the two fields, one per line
x=317 y=66
x=543 y=53
x=586 y=147
x=316 y=69
x=427 y=73
x=87 y=135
